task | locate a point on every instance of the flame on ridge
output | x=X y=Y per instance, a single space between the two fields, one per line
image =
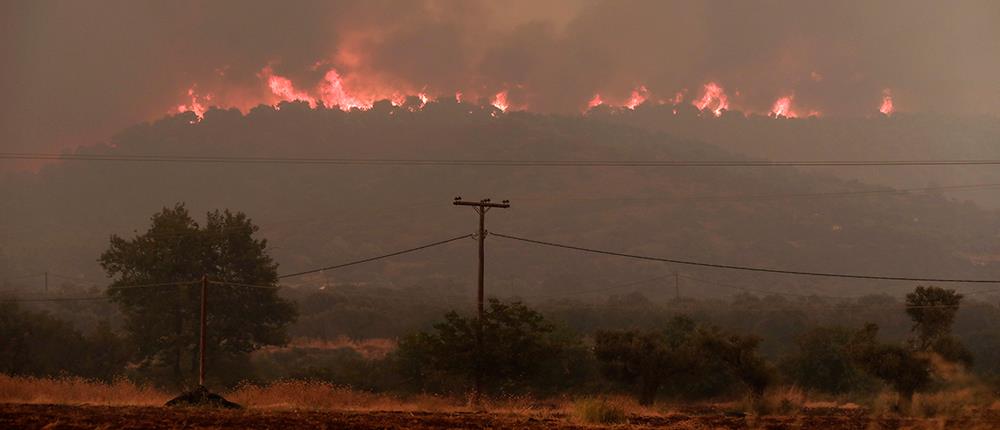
x=783 y=108
x=887 y=107
x=713 y=99
x=639 y=95
x=500 y=101
x=361 y=92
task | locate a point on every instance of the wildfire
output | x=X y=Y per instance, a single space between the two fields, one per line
x=887 y=108
x=595 y=102
x=196 y=105
x=678 y=97
x=333 y=93
x=783 y=108
x=639 y=95
x=714 y=98
x=500 y=101
x=284 y=89
x=359 y=91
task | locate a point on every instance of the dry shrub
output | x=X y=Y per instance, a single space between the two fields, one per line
x=374 y=348
x=76 y=390
x=788 y=401
x=884 y=402
x=600 y=411
x=298 y=394
x=952 y=403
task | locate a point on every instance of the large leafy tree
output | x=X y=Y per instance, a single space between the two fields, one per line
x=162 y=321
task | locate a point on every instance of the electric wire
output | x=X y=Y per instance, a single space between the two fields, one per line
x=746 y=268
x=163 y=158
x=379 y=257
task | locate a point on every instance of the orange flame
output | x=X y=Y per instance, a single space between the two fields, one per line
x=196 y=105
x=678 y=97
x=887 y=108
x=284 y=89
x=333 y=93
x=639 y=95
x=500 y=101
x=713 y=98
x=783 y=108
x=595 y=102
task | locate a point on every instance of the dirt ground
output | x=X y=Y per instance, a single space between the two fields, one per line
x=16 y=416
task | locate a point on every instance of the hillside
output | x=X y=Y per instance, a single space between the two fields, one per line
x=59 y=219
x=901 y=136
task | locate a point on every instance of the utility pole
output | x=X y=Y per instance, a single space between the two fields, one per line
x=481 y=208
x=201 y=340
x=46 y=282
x=677 y=285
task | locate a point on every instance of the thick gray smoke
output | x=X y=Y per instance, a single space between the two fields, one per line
x=75 y=72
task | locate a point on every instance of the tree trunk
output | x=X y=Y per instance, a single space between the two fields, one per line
x=647 y=391
x=905 y=401
x=178 y=348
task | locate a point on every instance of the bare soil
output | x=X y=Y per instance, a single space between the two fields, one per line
x=20 y=416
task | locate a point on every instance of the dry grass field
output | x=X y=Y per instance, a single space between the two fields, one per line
x=72 y=403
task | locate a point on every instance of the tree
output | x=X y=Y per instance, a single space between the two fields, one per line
x=648 y=361
x=906 y=371
x=37 y=344
x=739 y=355
x=162 y=322
x=822 y=361
x=520 y=351
x=933 y=311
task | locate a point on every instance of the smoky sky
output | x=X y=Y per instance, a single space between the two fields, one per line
x=76 y=72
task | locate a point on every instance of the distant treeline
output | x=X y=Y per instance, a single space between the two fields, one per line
x=789 y=334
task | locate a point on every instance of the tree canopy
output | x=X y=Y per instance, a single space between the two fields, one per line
x=162 y=319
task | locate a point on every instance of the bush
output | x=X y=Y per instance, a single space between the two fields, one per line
x=521 y=352
x=599 y=411
x=822 y=361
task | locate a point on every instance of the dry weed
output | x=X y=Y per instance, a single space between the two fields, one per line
x=297 y=394
x=600 y=411
x=76 y=390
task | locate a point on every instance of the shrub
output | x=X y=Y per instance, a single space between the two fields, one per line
x=599 y=411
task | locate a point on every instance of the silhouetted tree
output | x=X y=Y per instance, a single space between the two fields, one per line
x=649 y=360
x=521 y=351
x=933 y=311
x=822 y=361
x=163 y=321
x=37 y=344
x=739 y=354
x=906 y=371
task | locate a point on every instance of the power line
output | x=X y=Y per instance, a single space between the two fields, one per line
x=599 y=290
x=238 y=284
x=756 y=290
x=365 y=260
x=743 y=197
x=485 y=162
x=152 y=285
x=55 y=299
x=747 y=268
